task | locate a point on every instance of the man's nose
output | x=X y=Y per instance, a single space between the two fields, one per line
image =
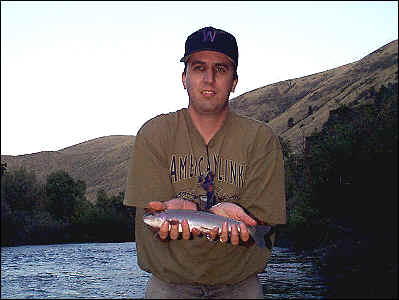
x=209 y=76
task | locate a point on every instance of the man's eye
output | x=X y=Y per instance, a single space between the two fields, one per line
x=199 y=68
x=221 y=69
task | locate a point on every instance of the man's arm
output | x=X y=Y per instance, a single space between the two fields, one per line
x=147 y=167
x=264 y=193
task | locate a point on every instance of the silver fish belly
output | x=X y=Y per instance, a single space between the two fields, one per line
x=205 y=222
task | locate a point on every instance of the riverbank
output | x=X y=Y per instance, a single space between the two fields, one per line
x=354 y=263
x=358 y=269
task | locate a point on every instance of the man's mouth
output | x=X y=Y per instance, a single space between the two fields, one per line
x=208 y=92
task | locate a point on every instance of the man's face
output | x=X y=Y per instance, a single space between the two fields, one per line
x=209 y=81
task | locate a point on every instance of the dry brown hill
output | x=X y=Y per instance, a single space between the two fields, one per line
x=324 y=91
x=102 y=162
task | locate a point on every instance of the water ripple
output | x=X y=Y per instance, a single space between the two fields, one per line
x=109 y=270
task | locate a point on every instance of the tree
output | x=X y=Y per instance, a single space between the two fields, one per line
x=352 y=141
x=3 y=169
x=20 y=190
x=102 y=200
x=63 y=194
x=114 y=221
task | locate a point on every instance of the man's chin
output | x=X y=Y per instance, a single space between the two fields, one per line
x=209 y=109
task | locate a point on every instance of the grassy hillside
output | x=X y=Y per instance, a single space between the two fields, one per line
x=101 y=163
x=323 y=92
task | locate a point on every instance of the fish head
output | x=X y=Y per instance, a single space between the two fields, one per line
x=154 y=219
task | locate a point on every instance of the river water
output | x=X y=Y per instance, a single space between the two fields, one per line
x=109 y=270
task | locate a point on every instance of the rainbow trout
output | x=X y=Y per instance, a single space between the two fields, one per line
x=205 y=222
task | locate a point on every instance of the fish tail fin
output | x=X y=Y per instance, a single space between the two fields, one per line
x=261 y=235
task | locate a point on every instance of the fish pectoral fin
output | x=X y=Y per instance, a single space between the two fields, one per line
x=205 y=230
x=173 y=222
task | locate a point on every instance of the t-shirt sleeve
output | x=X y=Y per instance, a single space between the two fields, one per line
x=148 y=177
x=265 y=181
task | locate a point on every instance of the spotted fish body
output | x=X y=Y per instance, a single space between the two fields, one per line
x=205 y=222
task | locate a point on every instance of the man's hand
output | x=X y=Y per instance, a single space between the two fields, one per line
x=231 y=210
x=173 y=233
x=175 y=203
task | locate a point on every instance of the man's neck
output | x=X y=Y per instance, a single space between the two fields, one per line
x=208 y=124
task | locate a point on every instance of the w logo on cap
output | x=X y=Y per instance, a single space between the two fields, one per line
x=208 y=35
x=205 y=39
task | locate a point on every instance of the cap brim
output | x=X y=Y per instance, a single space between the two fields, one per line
x=186 y=57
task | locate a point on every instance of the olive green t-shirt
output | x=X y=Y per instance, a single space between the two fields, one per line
x=168 y=157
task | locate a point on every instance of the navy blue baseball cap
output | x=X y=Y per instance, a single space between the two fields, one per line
x=209 y=38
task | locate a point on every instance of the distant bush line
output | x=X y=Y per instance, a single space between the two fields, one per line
x=58 y=211
x=344 y=185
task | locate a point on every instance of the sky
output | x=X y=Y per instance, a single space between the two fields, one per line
x=73 y=71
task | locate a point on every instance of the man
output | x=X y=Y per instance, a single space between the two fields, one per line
x=206 y=152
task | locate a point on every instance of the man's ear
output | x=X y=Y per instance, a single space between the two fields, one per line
x=183 y=79
x=233 y=87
